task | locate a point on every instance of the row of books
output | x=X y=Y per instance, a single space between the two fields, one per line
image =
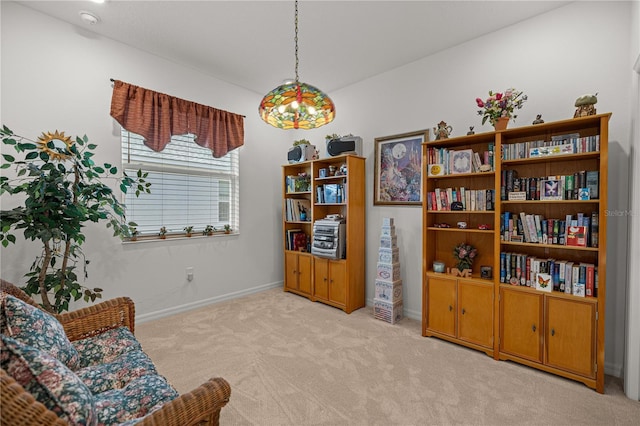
x=581 y=185
x=558 y=145
x=581 y=231
x=297 y=240
x=297 y=210
x=576 y=278
x=461 y=161
x=298 y=183
x=331 y=193
x=443 y=199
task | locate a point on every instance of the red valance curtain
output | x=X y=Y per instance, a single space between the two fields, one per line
x=157 y=117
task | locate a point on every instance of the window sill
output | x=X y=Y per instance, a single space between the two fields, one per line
x=155 y=238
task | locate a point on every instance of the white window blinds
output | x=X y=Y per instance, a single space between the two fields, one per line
x=189 y=187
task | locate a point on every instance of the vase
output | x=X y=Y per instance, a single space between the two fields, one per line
x=501 y=123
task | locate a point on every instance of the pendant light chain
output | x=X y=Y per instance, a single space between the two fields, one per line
x=296 y=40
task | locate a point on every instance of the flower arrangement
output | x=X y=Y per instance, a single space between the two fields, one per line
x=499 y=105
x=465 y=254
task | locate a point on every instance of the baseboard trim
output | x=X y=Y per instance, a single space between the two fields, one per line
x=201 y=303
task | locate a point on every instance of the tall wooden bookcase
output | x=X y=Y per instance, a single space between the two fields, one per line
x=336 y=282
x=507 y=317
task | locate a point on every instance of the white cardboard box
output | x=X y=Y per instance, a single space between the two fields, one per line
x=387 y=221
x=388 y=272
x=388 y=242
x=386 y=255
x=388 y=231
x=389 y=291
x=385 y=311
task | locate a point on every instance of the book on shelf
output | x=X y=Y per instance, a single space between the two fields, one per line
x=576 y=236
x=295 y=208
x=592 y=181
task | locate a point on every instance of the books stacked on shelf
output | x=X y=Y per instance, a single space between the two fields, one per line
x=441 y=199
x=331 y=193
x=297 y=240
x=460 y=161
x=576 y=278
x=581 y=231
x=558 y=145
x=582 y=185
x=387 y=303
x=297 y=210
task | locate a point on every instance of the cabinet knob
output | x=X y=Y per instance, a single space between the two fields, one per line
x=325 y=278
x=463 y=311
x=533 y=328
x=553 y=332
x=450 y=308
x=295 y=271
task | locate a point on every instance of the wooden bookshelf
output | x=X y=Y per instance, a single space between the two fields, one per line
x=336 y=282
x=561 y=332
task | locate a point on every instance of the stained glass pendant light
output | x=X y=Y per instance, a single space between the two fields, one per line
x=296 y=105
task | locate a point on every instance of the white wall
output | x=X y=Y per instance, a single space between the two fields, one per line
x=61 y=81
x=56 y=77
x=553 y=58
x=632 y=347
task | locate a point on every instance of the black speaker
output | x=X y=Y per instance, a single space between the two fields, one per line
x=301 y=153
x=345 y=145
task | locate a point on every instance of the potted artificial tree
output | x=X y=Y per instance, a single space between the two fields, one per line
x=63 y=190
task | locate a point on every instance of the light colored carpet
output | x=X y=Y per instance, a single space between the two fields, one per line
x=294 y=362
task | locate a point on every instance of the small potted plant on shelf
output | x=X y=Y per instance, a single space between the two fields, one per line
x=188 y=230
x=227 y=229
x=208 y=230
x=163 y=233
x=134 y=233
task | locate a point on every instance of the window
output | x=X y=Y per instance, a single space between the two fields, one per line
x=189 y=187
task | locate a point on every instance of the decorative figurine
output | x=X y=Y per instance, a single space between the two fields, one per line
x=442 y=131
x=471 y=132
x=585 y=105
x=538 y=119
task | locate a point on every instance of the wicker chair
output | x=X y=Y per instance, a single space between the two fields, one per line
x=18 y=407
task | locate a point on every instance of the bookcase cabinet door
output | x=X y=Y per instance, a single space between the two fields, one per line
x=298 y=272
x=521 y=324
x=330 y=281
x=441 y=305
x=475 y=310
x=570 y=335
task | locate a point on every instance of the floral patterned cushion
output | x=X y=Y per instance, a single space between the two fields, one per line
x=138 y=398
x=34 y=327
x=106 y=347
x=118 y=373
x=49 y=381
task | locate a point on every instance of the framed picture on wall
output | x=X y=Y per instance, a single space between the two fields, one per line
x=398 y=169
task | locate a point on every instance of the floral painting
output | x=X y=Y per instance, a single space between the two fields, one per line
x=398 y=169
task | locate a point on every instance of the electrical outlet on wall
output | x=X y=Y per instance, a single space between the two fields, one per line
x=190 y=273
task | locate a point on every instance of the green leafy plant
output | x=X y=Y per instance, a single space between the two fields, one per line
x=208 y=230
x=301 y=142
x=163 y=232
x=62 y=189
x=188 y=230
x=133 y=231
x=227 y=228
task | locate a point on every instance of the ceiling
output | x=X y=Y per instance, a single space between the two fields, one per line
x=250 y=43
